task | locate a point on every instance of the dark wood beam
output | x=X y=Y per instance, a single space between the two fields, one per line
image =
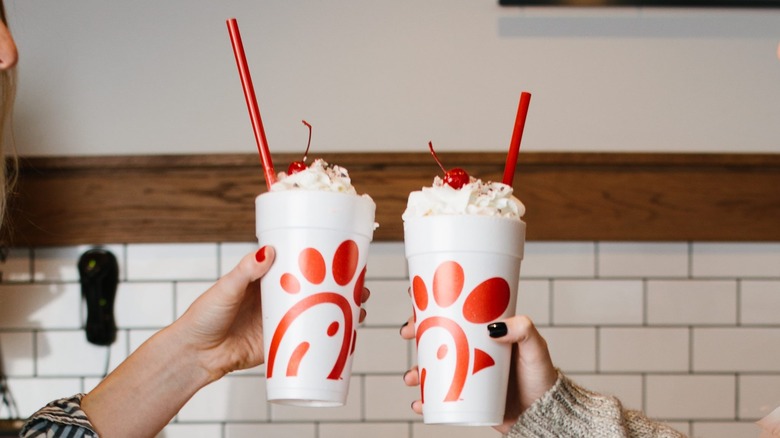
x=569 y=196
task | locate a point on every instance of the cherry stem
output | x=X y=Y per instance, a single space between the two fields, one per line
x=305 y=154
x=430 y=146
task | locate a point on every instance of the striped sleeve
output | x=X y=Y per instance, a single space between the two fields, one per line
x=61 y=418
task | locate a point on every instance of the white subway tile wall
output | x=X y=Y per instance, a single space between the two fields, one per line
x=687 y=332
x=692 y=302
x=625 y=349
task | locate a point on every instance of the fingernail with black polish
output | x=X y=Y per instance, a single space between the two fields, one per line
x=497 y=329
x=404 y=325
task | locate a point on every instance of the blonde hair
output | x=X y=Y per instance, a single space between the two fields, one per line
x=8 y=161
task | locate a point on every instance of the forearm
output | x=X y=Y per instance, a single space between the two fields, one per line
x=571 y=411
x=147 y=390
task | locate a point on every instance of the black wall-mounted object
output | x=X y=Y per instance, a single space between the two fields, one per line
x=648 y=3
x=99 y=274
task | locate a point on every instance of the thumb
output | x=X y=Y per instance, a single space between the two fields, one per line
x=249 y=269
x=522 y=331
x=533 y=366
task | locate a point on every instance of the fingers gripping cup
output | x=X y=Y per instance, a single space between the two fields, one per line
x=464 y=271
x=312 y=293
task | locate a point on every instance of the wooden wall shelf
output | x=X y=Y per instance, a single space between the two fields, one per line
x=569 y=196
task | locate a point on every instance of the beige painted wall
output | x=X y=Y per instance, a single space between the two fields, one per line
x=141 y=77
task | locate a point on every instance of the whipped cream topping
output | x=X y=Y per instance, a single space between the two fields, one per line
x=476 y=197
x=318 y=176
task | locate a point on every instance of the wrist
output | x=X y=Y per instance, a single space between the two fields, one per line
x=202 y=362
x=147 y=390
x=178 y=365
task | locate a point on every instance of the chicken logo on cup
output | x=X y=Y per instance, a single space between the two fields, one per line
x=313 y=269
x=485 y=303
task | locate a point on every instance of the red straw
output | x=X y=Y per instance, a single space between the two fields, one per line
x=517 y=136
x=251 y=102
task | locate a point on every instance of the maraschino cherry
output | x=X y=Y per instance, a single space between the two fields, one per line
x=297 y=166
x=456 y=177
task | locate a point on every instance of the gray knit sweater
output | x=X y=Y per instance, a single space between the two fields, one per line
x=567 y=410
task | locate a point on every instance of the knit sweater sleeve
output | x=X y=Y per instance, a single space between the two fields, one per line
x=568 y=410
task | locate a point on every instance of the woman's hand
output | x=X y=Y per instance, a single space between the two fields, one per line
x=532 y=372
x=224 y=325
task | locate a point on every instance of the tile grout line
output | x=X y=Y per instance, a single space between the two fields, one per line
x=598 y=349
x=551 y=304
x=736 y=397
x=738 y=304
x=690 y=350
x=645 y=303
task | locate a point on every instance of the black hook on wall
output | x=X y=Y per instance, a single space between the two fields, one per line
x=99 y=275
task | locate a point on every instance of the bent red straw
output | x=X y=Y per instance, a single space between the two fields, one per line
x=517 y=136
x=251 y=102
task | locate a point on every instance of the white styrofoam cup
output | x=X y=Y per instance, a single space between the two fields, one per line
x=312 y=293
x=464 y=271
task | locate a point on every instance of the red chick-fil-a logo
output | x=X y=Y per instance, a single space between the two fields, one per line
x=485 y=303
x=313 y=269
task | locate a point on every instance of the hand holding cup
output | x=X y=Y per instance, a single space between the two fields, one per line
x=532 y=372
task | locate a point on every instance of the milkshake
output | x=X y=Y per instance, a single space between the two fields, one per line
x=464 y=242
x=321 y=229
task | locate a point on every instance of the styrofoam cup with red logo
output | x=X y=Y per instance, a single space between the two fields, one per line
x=464 y=271
x=312 y=293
